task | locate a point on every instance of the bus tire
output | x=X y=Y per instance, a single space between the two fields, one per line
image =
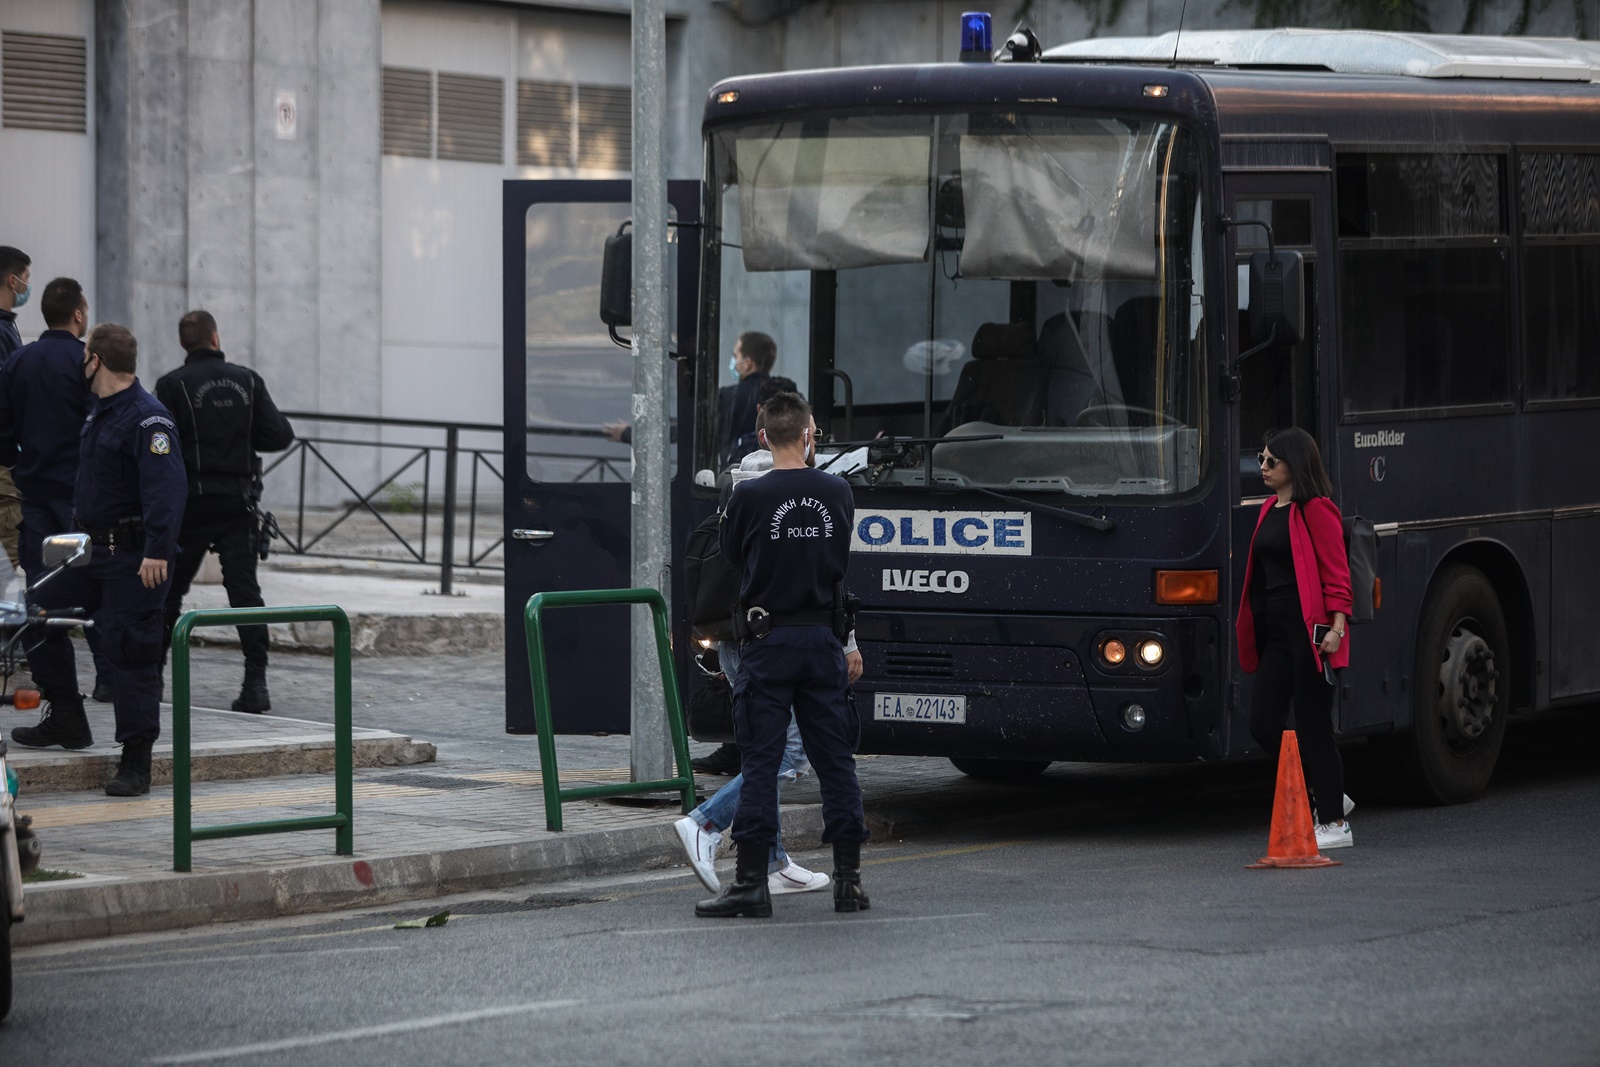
x=1000 y=770
x=1461 y=692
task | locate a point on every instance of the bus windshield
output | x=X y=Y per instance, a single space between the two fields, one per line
x=1031 y=282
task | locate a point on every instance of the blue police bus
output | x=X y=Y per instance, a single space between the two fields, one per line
x=1027 y=300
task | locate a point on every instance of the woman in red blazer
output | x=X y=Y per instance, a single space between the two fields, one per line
x=1297 y=579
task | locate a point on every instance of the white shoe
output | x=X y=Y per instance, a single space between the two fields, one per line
x=796 y=879
x=700 y=845
x=1334 y=835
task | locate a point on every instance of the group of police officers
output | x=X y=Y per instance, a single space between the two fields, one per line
x=156 y=481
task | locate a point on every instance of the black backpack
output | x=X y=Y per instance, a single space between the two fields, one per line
x=1361 y=549
x=710 y=582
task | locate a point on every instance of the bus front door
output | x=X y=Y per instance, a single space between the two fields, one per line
x=1283 y=385
x=567 y=520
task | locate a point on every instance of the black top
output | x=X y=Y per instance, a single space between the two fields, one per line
x=43 y=402
x=789 y=533
x=10 y=339
x=736 y=412
x=225 y=416
x=131 y=468
x=1274 y=553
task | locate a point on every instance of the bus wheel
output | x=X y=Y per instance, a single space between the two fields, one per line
x=1462 y=692
x=1000 y=770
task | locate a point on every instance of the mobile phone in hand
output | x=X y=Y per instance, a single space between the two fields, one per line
x=1318 y=632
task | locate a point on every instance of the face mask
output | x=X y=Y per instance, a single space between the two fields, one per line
x=733 y=361
x=22 y=297
x=88 y=377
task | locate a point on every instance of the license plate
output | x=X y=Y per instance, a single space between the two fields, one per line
x=919 y=707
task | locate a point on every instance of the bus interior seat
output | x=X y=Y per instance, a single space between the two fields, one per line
x=1001 y=384
x=1070 y=385
x=1134 y=329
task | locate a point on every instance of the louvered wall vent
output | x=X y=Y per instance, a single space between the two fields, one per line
x=605 y=127
x=45 y=82
x=407 y=112
x=471 y=118
x=544 y=124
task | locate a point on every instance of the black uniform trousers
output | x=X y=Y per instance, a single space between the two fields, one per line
x=1289 y=674
x=222 y=524
x=129 y=619
x=41 y=519
x=800 y=667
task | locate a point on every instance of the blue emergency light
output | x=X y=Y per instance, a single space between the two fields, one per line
x=977 y=37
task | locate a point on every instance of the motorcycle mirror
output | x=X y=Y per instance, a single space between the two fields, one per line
x=66 y=550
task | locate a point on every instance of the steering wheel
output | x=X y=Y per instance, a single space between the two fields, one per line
x=1095 y=409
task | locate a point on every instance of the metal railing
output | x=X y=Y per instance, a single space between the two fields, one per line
x=184 y=832
x=310 y=454
x=533 y=617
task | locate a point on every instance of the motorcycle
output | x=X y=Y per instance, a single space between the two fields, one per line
x=19 y=846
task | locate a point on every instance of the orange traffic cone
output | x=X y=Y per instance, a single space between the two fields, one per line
x=1293 y=842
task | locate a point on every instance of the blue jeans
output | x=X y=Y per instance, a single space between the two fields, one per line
x=719 y=808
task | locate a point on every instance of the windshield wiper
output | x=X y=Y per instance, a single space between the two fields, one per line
x=1094 y=522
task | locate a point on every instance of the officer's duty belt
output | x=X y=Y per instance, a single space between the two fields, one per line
x=122 y=535
x=802 y=618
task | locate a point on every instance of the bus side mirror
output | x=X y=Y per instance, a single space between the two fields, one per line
x=616 y=283
x=1277 y=297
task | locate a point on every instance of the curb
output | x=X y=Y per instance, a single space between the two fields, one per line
x=218 y=760
x=102 y=906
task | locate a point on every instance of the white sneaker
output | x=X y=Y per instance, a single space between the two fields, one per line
x=700 y=845
x=1334 y=835
x=796 y=879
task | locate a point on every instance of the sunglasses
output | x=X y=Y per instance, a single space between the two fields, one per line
x=1264 y=460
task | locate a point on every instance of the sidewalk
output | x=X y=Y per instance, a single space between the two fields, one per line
x=471 y=819
x=392 y=612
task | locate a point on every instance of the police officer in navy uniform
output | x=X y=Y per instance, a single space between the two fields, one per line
x=789 y=532
x=43 y=402
x=225 y=416
x=129 y=500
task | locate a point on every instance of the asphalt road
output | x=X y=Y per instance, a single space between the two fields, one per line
x=1466 y=935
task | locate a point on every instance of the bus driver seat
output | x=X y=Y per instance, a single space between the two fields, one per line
x=1002 y=383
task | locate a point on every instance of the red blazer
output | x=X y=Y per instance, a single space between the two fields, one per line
x=1321 y=574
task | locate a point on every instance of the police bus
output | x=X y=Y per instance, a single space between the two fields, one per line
x=1047 y=307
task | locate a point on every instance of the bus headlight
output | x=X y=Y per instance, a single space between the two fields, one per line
x=1113 y=652
x=1151 y=653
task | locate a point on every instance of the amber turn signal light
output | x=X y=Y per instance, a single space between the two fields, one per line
x=25 y=699
x=1186 y=587
x=1377 y=593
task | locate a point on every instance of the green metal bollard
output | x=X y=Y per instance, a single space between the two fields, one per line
x=553 y=793
x=342 y=821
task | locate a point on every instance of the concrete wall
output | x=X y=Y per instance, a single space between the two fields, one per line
x=204 y=201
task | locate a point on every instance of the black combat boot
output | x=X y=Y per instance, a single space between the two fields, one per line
x=63 y=723
x=104 y=691
x=253 y=696
x=133 y=773
x=847 y=892
x=748 y=895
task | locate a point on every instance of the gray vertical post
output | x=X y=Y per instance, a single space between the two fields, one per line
x=651 y=751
